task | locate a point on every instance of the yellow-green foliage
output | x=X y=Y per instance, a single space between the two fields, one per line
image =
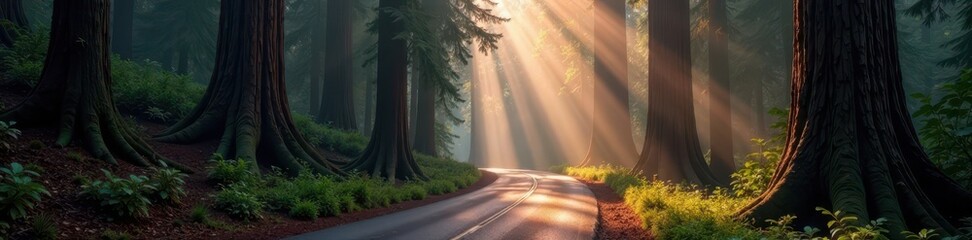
x=674 y=211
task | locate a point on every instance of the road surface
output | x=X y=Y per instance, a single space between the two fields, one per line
x=520 y=204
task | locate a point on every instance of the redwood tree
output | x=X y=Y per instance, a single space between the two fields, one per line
x=851 y=144
x=671 y=150
x=13 y=11
x=246 y=101
x=75 y=88
x=720 y=107
x=123 y=19
x=611 y=141
x=337 y=101
x=389 y=154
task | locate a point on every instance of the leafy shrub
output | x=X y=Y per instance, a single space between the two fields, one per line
x=75 y=156
x=19 y=192
x=413 y=192
x=946 y=128
x=365 y=192
x=436 y=187
x=43 y=227
x=306 y=210
x=115 y=235
x=36 y=145
x=756 y=173
x=121 y=197
x=231 y=171
x=168 y=182
x=239 y=202
x=200 y=214
x=347 y=143
x=23 y=62
x=7 y=135
x=137 y=85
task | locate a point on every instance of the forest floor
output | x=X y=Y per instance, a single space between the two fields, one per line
x=80 y=219
x=615 y=219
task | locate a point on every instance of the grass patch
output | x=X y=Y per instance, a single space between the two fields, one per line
x=308 y=195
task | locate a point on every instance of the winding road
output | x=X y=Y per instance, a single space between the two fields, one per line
x=520 y=204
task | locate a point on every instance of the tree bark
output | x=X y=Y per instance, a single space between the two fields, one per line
x=425 y=118
x=369 y=107
x=75 y=88
x=337 y=107
x=476 y=133
x=723 y=163
x=13 y=11
x=317 y=66
x=123 y=19
x=671 y=150
x=388 y=154
x=246 y=101
x=851 y=145
x=611 y=140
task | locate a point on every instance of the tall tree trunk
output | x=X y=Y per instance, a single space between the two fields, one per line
x=246 y=101
x=183 y=67
x=338 y=104
x=476 y=135
x=851 y=145
x=388 y=154
x=425 y=118
x=75 y=88
x=671 y=150
x=611 y=141
x=13 y=11
x=723 y=163
x=123 y=19
x=317 y=66
x=369 y=124
x=786 y=38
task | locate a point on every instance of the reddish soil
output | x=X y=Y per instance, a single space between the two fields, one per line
x=615 y=219
x=79 y=219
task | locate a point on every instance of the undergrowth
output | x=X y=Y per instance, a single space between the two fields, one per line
x=247 y=196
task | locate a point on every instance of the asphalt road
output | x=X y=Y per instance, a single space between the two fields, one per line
x=521 y=204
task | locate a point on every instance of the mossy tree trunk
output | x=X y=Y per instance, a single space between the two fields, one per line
x=74 y=89
x=851 y=145
x=123 y=20
x=720 y=106
x=245 y=105
x=337 y=106
x=389 y=154
x=13 y=11
x=611 y=141
x=671 y=150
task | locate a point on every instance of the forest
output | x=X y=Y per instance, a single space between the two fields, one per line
x=486 y=119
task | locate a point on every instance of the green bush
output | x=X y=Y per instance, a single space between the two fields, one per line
x=306 y=210
x=436 y=187
x=8 y=134
x=168 y=182
x=121 y=197
x=945 y=128
x=19 y=193
x=144 y=88
x=365 y=192
x=43 y=227
x=238 y=201
x=754 y=176
x=22 y=64
x=138 y=87
x=347 y=143
x=231 y=171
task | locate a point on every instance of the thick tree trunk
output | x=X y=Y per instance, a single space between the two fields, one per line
x=317 y=66
x=13 y=11
x=851 y=145
x=611 y=140
x=671 y=150
x=476 y=138
x=369 y=124
x=723 y=163
x=75 y=88
x=388 y=154
x=413 y=88
x=123 y=19
x=425 y=119
x=183 y=67
x=246 y=101
x=337 y=107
